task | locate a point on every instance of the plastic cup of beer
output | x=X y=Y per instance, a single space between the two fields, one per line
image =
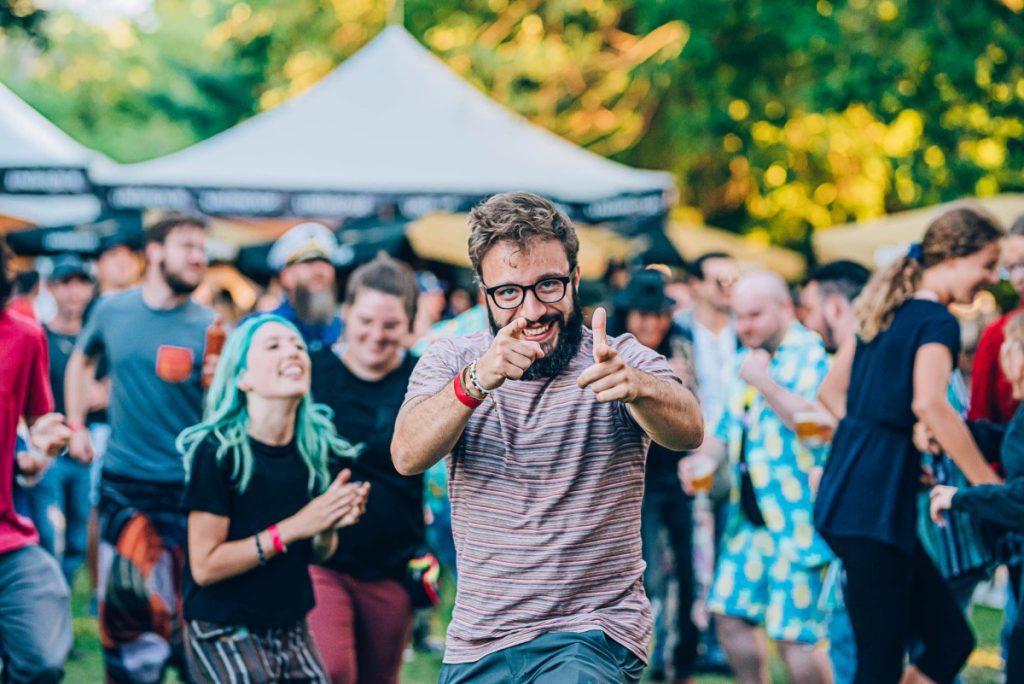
x=703 y=476
x=813 y=428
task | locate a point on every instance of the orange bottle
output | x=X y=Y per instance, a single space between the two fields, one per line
x=215 y=336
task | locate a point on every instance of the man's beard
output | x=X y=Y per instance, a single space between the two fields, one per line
x=313 y=307
x=772 y=344
x=177 y=285
x=570 y=335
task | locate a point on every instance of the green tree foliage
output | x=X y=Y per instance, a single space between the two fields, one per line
x=777 y=116
x=789 y=115
x=20 y=18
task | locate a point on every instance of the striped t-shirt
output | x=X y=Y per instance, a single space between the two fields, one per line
x=545 y=485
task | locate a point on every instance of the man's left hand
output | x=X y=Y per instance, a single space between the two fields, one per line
x=754 y=369
x=49 y=435
x=610 y=378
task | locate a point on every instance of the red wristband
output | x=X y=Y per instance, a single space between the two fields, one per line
x=275 y=539
x=462 y=395
x=75 y=427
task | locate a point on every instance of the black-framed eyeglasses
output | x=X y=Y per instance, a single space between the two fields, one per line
x=548 y=290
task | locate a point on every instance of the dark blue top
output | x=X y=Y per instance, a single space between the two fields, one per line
x=872 y=476
x=316 y=335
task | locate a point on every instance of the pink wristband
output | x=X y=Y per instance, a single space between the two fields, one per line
x=275 y=538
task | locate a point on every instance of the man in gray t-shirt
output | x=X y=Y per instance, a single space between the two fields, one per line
x=155 y=358
x=152 y=340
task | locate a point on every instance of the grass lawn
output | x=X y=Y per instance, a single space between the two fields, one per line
x=87 y=668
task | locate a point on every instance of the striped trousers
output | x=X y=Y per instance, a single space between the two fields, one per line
x=219 y=654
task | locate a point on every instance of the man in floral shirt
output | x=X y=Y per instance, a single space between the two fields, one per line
x=770 y=570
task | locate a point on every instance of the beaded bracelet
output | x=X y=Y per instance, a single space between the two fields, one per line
x=475 y=382
x=259 y=549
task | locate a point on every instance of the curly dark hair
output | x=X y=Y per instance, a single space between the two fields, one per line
x=520 y=218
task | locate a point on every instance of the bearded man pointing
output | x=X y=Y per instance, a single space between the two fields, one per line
x=546 y=425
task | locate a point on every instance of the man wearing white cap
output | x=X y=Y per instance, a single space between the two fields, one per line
x=302 y=259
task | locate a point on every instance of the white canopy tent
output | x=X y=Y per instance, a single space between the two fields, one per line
x=36 y=157
x=391 y=128
x=42 y=169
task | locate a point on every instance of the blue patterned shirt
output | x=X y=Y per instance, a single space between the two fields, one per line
x=779 y=464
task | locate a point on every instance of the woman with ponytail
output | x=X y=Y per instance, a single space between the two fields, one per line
x=896 y=374
x=261 y=509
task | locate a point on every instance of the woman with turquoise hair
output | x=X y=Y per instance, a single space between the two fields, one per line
x=261 y=508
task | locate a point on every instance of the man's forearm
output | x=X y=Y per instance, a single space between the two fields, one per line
x=427 y=430
x=668 y=412
x=79 y=373
x=955 y=439
x=786 y=404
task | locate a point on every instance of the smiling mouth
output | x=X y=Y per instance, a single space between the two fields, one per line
x=538 y=333
x=292 y=372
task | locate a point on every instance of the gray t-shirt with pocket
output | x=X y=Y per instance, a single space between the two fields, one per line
x=155 y=359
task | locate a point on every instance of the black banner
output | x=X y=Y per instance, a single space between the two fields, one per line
x=86 y=239
x=44 y=181
x=349 y=205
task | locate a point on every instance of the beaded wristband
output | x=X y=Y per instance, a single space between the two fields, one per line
x=475 y=382
x=259 y=549
x=462 y=395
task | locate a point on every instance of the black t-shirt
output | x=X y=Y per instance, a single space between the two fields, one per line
x=380 y=545
x=278 y=593
x=60 y=347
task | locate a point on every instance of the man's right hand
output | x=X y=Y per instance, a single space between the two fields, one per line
x=80 y=446
x=509 y=356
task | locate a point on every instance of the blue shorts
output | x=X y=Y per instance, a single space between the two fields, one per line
x=554 y=658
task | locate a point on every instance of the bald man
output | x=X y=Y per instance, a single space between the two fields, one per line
x=769 y=573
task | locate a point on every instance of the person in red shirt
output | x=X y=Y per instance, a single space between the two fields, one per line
x=35 y=614
x=991 y=393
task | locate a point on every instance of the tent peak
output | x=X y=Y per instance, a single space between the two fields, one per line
x=392 y=128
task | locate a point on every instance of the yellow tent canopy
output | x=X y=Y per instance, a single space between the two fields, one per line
x=876 y=242
x=693 y=240
x=444 y=238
